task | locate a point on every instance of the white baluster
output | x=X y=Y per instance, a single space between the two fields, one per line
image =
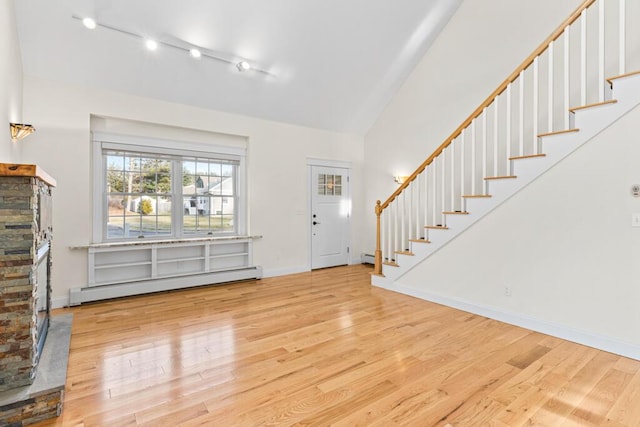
x=473 y=158
x=601 y=82
x=508 y=142
x=452 y=147
x=434 y=192
x=444 y=191
x=426 y=194
x=622 y=44
x=395 y=230
x=567 y=69
x=418 y=199
x=390 y=221
x=408 y=214
x=392 y=236
x=549 y=93
x=535 y=106
x=496 y=115
x=403 y=218
x=583 y=58
x=410 y=225
x=484 y=149
x=391 y=209
x=462 y=161
x=383 y=232
x=521 y=114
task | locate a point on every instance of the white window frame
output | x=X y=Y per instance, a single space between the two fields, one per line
x=102 y=141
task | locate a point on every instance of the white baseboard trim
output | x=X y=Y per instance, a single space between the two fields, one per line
x=274 y=272
x=59 y=302
x=356 y=261
x=589 y=339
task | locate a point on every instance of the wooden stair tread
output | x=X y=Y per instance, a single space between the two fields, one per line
x=456 y=213
x=476 y=196
x=528 y=156
x=436 y=227
x=596 y=104
x=500 y=177
x=419 y=240
x=558 y=132
x=390 y=264
x=404 y=253
x=621 y=76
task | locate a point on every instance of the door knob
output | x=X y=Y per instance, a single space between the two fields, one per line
x=315 y=223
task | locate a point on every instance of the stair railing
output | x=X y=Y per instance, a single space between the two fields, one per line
x=532 y=102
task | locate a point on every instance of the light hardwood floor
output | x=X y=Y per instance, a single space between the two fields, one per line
x=327 y=348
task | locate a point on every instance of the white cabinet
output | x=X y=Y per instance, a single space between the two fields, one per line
x=130 y=262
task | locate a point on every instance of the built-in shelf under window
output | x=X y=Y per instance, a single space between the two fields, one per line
x=128 y=268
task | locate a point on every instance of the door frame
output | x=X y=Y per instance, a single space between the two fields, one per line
x=314 y=161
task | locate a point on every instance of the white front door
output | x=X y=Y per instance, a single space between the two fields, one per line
x=330 y=212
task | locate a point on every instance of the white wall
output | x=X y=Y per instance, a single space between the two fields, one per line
x=482 y=44
x=564 y=245
x=10 y=82
x=277 y=171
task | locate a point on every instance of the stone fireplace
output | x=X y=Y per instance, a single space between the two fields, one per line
x=25 y=296
x=24 y=257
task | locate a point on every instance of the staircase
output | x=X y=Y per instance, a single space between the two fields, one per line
x=557 y=100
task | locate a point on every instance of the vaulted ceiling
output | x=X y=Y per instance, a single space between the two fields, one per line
x=328 y=64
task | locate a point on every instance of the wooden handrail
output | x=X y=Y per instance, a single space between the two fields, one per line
x=512 y=77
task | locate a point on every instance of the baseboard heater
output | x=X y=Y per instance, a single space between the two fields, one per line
x=78 y=296
x=368 y=259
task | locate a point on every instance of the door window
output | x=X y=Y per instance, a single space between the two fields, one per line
x=329 y=185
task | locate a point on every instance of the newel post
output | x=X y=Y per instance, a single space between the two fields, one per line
x=378 y=254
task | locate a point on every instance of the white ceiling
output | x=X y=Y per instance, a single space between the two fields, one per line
x=333 y=64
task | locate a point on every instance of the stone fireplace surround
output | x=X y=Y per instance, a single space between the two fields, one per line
x=32 y=376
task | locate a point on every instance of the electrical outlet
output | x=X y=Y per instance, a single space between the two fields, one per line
x=507 y=291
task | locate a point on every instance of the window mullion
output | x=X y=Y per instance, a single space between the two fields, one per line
x=178 y=209
x=104 y=200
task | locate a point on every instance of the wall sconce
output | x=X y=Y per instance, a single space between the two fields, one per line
x=400 y=179
x=19 y=131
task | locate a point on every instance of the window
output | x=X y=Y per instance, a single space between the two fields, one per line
x=208 y=191
x=139 y=196
x=157 y=192
x=329 y=185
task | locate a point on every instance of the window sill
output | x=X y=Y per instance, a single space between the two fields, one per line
x=143 y=242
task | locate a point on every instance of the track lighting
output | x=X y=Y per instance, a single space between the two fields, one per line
x=90 y=23
x=151 y=44
x=194 y=51
x=243 y=66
